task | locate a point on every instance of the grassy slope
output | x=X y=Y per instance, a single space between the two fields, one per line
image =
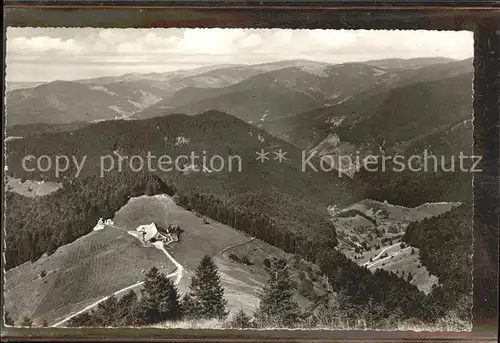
x=198 y=239
x=401 y=262
x=78 y=274
x=244 y=283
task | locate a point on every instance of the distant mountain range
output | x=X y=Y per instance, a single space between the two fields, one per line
x=108 y=98
x=389 y=106
x=13 y=85
x=406 y=114
x=275 y=94
x=251 y=92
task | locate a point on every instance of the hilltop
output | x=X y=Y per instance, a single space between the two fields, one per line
x=117 y=97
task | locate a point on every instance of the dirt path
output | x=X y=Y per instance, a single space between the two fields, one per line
x=179 y=272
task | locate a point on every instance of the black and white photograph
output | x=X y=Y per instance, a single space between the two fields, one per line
x=239 y=179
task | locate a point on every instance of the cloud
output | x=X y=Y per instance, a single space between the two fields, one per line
x=43 y=44
x=209 y=46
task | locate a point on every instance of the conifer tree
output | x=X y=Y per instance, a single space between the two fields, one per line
x=241 y=320
x=27 y=322
x=159 y=298
x=128 y=309
x=206 y=292
x=306 y=287
x=277 y=307
x=333 y=308
x=84 y=319
x=189 y=307
x=106 y=312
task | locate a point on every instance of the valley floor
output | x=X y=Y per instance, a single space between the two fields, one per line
x=370 y=234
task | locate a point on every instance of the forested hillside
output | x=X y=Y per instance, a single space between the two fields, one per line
x=412 y=189
x=30 y=129
x=413 y=106
x=432 y=115
x=58 y=224
x=297 y=200
x=274 y=94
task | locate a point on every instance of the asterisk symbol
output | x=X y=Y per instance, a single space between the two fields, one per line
x=262 y=155
x=280 y=155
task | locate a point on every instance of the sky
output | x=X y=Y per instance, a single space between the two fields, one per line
x=47 y=54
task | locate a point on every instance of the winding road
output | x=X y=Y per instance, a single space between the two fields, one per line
x=235 y=245
x=376 y=258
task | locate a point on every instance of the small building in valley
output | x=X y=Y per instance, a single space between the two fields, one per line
x=102 y=223
x=99 y=225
